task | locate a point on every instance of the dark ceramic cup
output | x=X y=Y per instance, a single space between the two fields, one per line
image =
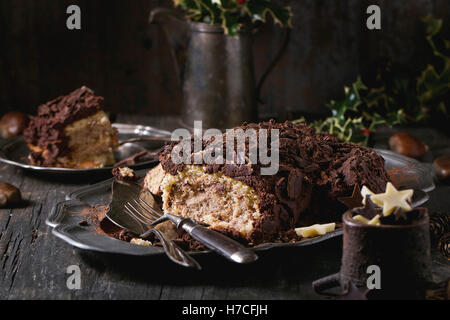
x=402 y=253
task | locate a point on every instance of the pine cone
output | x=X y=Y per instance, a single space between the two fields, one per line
x=442 y=292
x=439 y=225
x=444 y=245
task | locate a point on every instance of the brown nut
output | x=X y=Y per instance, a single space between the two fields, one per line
x=408 y=145
x=12 y=124
x=9 y=195
x=442 y=167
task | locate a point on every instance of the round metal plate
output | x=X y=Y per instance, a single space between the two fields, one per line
x=65 y=215
x=15 y=151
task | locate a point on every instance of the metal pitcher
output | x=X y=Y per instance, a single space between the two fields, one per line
x=217 y=77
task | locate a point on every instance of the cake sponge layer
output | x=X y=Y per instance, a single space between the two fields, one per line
x=314 y=171
x=214 y=199
x=72 y=131
x=92 y=141
x=90 y=144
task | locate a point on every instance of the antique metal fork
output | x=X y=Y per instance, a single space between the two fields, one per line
x=215 y=241
x=174 y=253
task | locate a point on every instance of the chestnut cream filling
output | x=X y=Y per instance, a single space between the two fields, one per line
x=214 y=199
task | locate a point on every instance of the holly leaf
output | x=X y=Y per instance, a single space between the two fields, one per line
x=431 y=85
x=230 y=23
x=432 y=25
x=259 y=10
x=212 y=10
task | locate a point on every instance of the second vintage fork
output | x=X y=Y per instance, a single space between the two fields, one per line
x=227 y=247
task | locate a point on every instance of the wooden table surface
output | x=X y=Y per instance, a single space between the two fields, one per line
x=33 y=262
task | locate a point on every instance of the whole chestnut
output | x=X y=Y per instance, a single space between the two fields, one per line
x=408 y=145
x=12 y=124
x=9 y=195
x=442 y=167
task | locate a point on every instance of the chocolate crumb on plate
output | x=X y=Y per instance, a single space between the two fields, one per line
x=125 y=174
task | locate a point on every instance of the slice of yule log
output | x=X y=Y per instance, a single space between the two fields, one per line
x=72 y=131
x=314 y=170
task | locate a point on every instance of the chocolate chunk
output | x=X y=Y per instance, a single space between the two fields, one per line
x=442 y=167
x=353 y=201
x=369 y=211
x=408 y=145
x=401 y=217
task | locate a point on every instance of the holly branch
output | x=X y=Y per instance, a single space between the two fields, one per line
x=399 y=100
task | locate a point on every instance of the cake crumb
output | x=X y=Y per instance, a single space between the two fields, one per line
x=140 y=242
x=125 y=174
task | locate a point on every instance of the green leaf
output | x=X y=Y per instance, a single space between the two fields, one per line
x=212 y=10
x=259 y=10
x=230 y=23
x=432 y=25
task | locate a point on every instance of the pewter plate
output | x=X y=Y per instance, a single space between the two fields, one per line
x=65 y=215
x=15 y=151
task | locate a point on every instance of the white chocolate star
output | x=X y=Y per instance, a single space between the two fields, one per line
x=315 y=230
x=375 y=221
x=392 y=199
x=359 y=218
x=366 y=192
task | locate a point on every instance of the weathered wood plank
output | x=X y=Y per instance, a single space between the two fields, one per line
x=33 y=262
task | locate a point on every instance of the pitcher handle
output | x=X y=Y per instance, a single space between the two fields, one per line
x=154 y=18
x=273 y=63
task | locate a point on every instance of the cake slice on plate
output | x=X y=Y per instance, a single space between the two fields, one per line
x=72 y=131
x=314 y=171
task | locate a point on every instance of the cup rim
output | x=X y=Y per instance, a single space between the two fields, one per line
x=347 y=219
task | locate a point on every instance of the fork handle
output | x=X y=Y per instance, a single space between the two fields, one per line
x=217 y=242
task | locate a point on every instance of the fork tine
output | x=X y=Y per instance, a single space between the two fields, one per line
x=134 y=217
x=142 y=211
x=150 y=208
x=142 y=214
x=136 y=214
x=151 y=213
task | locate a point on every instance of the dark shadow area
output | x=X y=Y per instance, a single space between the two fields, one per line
x=289 y=264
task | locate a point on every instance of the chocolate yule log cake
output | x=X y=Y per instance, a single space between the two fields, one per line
x=72 y=131
x=314 y=171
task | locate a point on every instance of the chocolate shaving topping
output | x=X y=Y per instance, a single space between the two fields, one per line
x=353 y=201
x=314 y=170
x=46 y=130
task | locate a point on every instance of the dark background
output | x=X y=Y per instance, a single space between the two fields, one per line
x=123 y=59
